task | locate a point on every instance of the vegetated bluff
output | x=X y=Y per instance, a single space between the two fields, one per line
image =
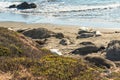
x=23 y=59
x=15 y=44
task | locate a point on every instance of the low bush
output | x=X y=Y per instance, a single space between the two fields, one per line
x=4 y=51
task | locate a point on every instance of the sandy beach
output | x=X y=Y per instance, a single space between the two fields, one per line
x=70 y=32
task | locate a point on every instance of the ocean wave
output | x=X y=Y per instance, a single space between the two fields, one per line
x=59 y=7
x=73 y=8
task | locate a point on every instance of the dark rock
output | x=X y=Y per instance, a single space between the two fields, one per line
x=65 y=42
x=85 y=35
x=59 y=35
x=100 y=62
x=87 y=49
x=40 y=33
x=12 y=6
x=23 y=5
x=32 y=5
x=113 y=50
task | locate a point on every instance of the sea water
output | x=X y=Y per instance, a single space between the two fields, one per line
x=94 y=13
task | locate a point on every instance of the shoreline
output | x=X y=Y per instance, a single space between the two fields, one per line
x=34 y=19
x=21 y=25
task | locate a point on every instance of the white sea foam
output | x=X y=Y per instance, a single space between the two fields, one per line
x=4 y=6
x=86 y=7
x=57 y=7
x=69 y=8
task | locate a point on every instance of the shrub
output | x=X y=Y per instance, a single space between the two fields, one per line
x=63 y=68
x=50 y=67
x=4 y=51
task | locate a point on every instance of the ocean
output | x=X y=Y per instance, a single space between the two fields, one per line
x=92 y=13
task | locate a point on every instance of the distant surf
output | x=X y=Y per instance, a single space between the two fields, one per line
x=68 y=12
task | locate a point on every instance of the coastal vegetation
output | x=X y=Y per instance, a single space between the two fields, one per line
x=24 y=59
